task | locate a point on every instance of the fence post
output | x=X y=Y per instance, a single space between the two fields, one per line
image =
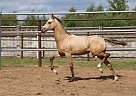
x=0 y=42
x=18 y=42
x=21 y=46
x=22 y=55
x=88 y=53
x=135 y=43
x=39 y=45
x=21 y=36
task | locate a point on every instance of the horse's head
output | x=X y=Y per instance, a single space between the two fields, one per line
x=50 y=24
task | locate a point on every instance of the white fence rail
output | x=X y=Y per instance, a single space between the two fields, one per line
x=108 y=49
x=78 y=31
x=63 y=13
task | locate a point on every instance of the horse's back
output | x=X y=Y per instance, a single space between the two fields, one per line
x=78 y=41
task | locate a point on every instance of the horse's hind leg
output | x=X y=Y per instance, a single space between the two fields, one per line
x=108 y=64
x=103 y=57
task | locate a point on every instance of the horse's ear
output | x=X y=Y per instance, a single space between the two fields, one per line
x=52 y=16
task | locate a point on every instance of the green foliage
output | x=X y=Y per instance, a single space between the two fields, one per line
x=8 y=17
x=68 y=16
x=72 y=9
x=118 y=5
x=90 y=8
x=115 y=5
x=32 y=20
x=30 y=23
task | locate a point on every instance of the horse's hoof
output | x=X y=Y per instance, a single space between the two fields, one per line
x=55 y=71
x=101 y=70
x=99 y=65
x=116 y=78
x=72 y=79
x=58 y=80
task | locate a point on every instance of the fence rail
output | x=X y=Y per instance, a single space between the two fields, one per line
x=54 y=49
x=64 y=13
x=77 y=31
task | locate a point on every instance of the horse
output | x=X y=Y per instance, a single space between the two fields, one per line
x=69 y=44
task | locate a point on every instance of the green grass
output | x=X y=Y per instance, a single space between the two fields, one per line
x=125 y=64
x=17 y=62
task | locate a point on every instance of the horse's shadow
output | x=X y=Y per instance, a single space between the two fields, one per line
x=89 y=78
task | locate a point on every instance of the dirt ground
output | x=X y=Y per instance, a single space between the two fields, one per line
x=35 y=81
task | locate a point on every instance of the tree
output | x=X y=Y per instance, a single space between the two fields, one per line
x=118 y=5
x=9 y=17
x=99 y=22
x=70 y=16
x=31 y=20
x=133 y=15
x=72 y=9
x=100 y=8
x=90 y=8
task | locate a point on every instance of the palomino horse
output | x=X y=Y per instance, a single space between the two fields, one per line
x=69 y=44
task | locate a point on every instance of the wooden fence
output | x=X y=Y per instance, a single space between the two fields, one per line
x=22 y=35
x=29 y=41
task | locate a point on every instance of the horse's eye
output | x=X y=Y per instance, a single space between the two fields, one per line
x=49 y=22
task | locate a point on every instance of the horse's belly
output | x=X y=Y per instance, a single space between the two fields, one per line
x=80 y=52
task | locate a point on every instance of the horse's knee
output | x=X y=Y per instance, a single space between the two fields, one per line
x=71 y=67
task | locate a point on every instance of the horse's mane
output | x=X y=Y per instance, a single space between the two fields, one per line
x=62 y=24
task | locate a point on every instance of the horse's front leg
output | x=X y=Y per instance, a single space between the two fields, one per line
x=51 y=61
x=52 y=67
x=69 y=61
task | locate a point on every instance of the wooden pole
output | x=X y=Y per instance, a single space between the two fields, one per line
x=88 y=53
x=22 y=56
x=39 y=45
x=0 y=43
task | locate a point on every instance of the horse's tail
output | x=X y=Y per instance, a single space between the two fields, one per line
x=117 y=42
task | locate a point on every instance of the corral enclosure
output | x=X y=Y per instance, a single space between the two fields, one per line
x=31 y=80
x=24 y=41
x=30 y=40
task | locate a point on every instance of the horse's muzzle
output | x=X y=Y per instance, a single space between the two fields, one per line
x=42 y=31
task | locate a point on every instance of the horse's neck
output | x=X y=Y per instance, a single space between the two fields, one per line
x=59 y=33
